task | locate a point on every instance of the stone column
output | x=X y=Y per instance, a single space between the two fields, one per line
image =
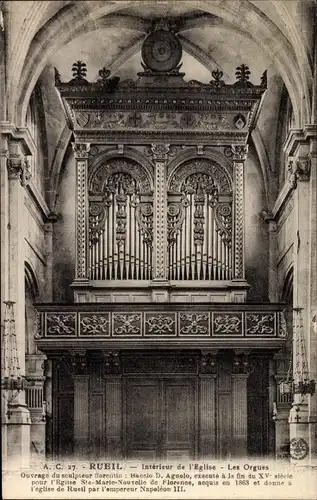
x=239 y=154
x=4 y=265
x=81 y=151
x=240 y=407
x=18 y=417
x=301 y=146
x=273 y=280
x=207 y=405
x=160 y=157
x=77 y=362
x=312 y=312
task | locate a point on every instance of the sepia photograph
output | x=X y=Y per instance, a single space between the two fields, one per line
x=158 y=164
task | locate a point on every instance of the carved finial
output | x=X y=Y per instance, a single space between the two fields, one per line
x=243 y=76
x=79 y=70
x=104 y=74
x=264 y=79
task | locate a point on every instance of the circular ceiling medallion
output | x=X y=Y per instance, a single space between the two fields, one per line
x=161 y=51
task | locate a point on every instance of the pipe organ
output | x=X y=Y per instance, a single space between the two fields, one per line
x=120 y=223
x=200 y=223
x=159 y=238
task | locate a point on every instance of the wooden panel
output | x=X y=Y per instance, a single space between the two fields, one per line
x=96 y=426
x=258 y=410
x=81 y=416
x=64 y=429
x=114 y=418
x=224 y=426
x=207 y=414
x=142 y=417
x=179 y=402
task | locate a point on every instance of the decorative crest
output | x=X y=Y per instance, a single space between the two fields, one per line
x=217 y=78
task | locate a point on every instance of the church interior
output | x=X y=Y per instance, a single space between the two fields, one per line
x=158 y=230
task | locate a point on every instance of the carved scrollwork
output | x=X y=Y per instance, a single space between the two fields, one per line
x=94 y=324
x=127 y=324
x=160 y=324
x=62 y=324
x=194 y=324
x=100 y=176
x=223 y=215
x=260 y=324
x=219 y=175
x=227 y=324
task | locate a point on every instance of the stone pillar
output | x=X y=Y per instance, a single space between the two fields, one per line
x=81 y=151
x=273 y=248
x=159 y=283
x=18 y=425
x=240 y=407
x=238 y=154
x=81 y=404
x=301 y=147
x=312 y=312
x=48 y=282
x=4 y=265
x=207 y=404
x=282 y=404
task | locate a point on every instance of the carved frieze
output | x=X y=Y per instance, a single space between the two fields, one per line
x=198 y=323
x=160 y=120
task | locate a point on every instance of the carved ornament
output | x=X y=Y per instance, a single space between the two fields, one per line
x=18 y=168
x=81 y=150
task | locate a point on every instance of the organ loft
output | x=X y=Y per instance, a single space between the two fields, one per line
x=169 y=325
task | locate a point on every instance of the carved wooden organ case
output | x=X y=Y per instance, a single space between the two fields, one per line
x=160 y=170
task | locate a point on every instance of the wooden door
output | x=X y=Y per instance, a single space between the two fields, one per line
x=160 y=419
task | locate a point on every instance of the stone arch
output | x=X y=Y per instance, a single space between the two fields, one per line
x=243 y=15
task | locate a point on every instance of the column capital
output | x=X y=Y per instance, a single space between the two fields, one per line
x=241 y=365
x=76 y=362
x=160 y=151
x=303 y=168
x=237 y=152
x=18 y=168
x=81 y=150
